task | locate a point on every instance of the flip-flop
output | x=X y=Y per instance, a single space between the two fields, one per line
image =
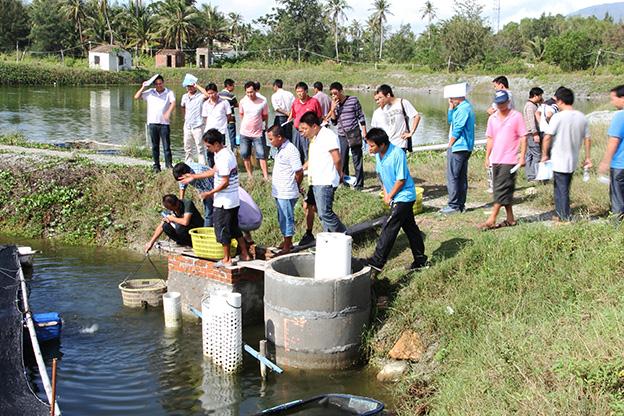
x=220 y=264
x=486 y=227
x=506 y=223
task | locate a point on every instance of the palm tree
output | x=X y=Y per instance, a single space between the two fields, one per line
x=235 y=21
x=104 y=9
x=213 y=26
x=429 y=12
x=534 y=50
x=74 y=10
x=176 y=20
x=141 y=27
x=336 y=9
x=381 y=11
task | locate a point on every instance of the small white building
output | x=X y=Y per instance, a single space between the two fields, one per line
x=110 y=58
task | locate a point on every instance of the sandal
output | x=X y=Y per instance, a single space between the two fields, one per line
x=221 y=264
x=506 y=224
x=486 y=227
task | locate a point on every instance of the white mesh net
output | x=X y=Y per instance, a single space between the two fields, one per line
x=222 y=334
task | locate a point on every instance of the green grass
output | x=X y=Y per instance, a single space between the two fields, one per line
x=536 y=327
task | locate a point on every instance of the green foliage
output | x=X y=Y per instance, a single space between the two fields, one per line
x=572 y=50
x=50 y=30
x=12 y=73
x=14 y=24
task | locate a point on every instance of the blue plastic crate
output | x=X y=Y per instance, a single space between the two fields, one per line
x=48 y=325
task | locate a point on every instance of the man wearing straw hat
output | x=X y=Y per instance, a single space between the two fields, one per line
x=461 y=117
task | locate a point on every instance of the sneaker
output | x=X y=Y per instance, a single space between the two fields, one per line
x=307 y=239
x=369 y=262
x=156 y=169
x=449 y=211
x=415 y=267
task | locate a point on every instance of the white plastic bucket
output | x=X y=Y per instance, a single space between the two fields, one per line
x=172 y=307
x=333 y=255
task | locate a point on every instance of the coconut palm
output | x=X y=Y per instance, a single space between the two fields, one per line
x=75 y=11
x=534 y=50
x=336 y=10
x=140 y=26
x=213 y=26
x=381 y=11
x=104 y=9
x=176 y=20
x=429 y=12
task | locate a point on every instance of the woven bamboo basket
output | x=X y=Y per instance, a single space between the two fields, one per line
x=139 y=293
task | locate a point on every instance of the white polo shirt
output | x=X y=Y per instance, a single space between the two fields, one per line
x=282 y=100
x=193 y=105
x=216 y=114
x=225 y=164
x=287 y=162
x=157 y=104
x=321 y=168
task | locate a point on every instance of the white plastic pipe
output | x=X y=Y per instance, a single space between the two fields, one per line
x=43 y=373
x=172 y=308
x=333 y=256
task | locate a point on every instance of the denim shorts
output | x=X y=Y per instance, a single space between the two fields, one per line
x=286 y=215
x=246 y=143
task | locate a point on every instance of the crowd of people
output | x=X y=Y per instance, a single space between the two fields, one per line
x=319 y=135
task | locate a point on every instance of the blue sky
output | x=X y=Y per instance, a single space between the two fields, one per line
x=407 y=11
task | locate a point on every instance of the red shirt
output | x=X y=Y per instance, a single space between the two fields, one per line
x=299 y=109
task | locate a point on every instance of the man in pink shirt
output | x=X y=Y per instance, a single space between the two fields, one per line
x=254 y=113
x=303 y=104
x=505 y=133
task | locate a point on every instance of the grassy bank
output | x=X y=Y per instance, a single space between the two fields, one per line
x=525 y=320
x=352 y=76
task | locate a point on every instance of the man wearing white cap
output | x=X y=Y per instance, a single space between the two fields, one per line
x=461 y=117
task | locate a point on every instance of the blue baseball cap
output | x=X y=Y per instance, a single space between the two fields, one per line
x=501 y=97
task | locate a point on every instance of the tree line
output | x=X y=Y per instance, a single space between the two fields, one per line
x=313 y=30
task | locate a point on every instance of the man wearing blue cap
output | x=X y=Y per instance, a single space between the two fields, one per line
x=506 y=133
x=461 y=117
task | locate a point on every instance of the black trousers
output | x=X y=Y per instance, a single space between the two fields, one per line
x=358 y=160
x=178 y=233
x=401 y=216
x=562 y=182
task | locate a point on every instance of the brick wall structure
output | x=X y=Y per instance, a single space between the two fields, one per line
x=195 y=278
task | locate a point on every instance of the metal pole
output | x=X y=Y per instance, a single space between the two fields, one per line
x=263 y=352
x=53 y=402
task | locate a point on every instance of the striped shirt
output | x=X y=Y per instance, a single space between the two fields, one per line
x=202 y=185
x=225 y=164
x=349 y=115
x=287 y=163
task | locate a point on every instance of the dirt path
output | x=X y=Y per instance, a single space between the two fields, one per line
x=11 y=152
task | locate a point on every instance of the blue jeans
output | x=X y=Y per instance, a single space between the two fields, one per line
x=324 y=197
x=208 y=210
x=286 y=215
x=562 y=182
x=247 y=142
x=158 y=133
x=457 y=178
x=616 y=191
x=231 y=132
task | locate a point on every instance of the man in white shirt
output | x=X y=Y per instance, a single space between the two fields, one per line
x=393 y=117
x=225 y=196
x=322 y=98
x=254 y=113
x=286 y=180
x=191 y=104
x=567 y=131
x=282 y=101
x=501 y=83
x=324 y=169
x=160 y=104
x=216 y=111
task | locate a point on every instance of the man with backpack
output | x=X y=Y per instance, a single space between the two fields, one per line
x=393 y=116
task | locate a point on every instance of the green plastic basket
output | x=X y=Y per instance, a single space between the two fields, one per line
x=205 y=244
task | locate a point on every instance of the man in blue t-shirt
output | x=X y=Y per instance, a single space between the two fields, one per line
x=614 y=155
x=399 y=192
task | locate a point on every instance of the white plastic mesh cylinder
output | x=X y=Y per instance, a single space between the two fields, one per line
x=222 y=330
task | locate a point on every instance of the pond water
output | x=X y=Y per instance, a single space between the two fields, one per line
x=118 y=361
x=111 y=115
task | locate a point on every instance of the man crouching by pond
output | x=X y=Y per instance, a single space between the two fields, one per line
x=182 y=217
x=226 y=201
x=400 y=193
